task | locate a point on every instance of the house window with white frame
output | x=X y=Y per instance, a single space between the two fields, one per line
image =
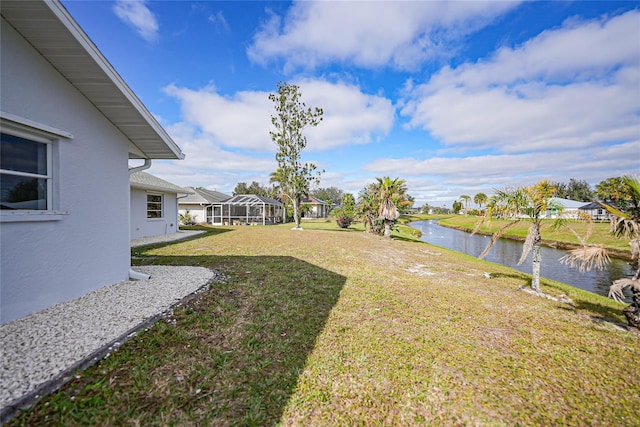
x=154 y=206
x=25 y=173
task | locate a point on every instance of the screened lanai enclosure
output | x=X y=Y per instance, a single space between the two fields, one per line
x=249 y=209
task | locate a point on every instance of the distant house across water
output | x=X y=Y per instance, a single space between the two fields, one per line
x=596 y=211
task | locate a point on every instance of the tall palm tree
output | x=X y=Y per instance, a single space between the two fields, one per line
x=624 y=224
x=391 y=194
x=466 y=200
x=522 y=204
x=480 y=199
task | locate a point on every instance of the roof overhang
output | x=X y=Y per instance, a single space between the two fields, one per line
x=160 y=188
x=51 y=30
x=145 y=181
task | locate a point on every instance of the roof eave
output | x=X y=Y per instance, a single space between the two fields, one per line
x=147 y=137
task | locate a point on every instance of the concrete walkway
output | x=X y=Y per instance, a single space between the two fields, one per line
x=182 y=234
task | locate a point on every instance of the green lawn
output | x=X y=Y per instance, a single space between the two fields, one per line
x=326 y=327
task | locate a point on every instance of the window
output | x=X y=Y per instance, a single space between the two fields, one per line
x=25 y=174
x=154 y=206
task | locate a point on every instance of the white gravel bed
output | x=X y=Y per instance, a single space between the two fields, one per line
x=36 y=348
x=182 y=234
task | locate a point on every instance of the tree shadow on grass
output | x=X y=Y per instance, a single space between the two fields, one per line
x=231 y=355
x=407 y=239
x=526 y=279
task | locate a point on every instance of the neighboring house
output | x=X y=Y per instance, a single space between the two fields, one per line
x=318 y=208
x=570 y=208
x=154 y=205
x=69 y=126
x=203 y=205
x=249 y=209
x=596 y=211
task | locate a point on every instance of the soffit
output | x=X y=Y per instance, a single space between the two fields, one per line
x=49 y=28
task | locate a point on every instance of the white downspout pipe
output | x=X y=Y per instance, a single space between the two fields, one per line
x=145 y=165
x=136 y=275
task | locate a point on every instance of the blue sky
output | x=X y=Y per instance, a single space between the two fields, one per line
x=454 y=97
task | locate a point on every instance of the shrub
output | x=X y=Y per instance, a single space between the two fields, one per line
x=345 y=213
x=185 y=218
x=344 y=221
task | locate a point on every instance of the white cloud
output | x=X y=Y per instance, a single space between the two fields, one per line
x=243 y=121
x=623 y=156
x=219 y=20
x=349 y=115
x=209 y=165
x=136 y=14
x=496 y=171
x=402 y=35
x=203 y=152
x=576 y=86
x=240 y=121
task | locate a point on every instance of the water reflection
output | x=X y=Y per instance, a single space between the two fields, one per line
x=507 y=252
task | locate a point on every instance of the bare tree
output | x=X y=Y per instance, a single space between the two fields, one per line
x=292 y=117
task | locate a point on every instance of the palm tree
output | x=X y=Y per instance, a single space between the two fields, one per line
x=522 y=204
x=624 y=224
x=391 y=193
x=466 y=202
x=480 y=199
x=277 y=178
x=367 y=207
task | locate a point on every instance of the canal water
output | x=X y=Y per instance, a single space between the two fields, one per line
x=507 y=252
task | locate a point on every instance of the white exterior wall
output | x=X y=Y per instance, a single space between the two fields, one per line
x=47 y=262
x=198 y=213
x=141 y=226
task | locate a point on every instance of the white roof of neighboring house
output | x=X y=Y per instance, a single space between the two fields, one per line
x=146 y=181
x=567 y=203
x=204 y=197
x=51 y=30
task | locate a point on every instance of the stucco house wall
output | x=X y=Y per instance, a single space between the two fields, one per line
x=65 y=96
x=198 y=212
x=141 y=226
x=146 y=219
x=91 y=187
x=570 y=208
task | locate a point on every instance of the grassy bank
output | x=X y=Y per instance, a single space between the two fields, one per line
x=338 y=327
x=560 y=237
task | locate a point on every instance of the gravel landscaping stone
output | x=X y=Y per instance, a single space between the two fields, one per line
x=40 y=347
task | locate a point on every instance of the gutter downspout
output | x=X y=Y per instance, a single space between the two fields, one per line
x=146 y=165
x=136 y=275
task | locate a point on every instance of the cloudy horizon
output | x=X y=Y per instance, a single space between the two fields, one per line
x=454 y=97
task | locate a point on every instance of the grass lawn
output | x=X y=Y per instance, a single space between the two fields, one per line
x=326 y=327
x=600 y=234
